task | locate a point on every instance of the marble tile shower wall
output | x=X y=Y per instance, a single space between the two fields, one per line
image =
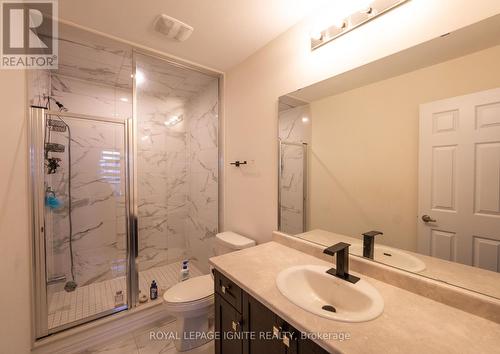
x=162 y=182
x=177 y=175
x=178 y=179
x=202 y=222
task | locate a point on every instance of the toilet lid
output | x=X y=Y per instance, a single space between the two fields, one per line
x=234 y=240
x=191 y=290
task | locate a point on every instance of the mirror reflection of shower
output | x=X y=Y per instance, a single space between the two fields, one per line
x=294 y=138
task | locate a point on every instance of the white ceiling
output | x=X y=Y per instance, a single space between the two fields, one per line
x=225 y=31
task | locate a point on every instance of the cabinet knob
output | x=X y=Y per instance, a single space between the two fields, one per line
x=286 y=340
x=235 y=325
x=276 y=331
x=224 y=288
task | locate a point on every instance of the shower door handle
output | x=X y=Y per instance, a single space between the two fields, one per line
x=135 y=234
x=136 y=238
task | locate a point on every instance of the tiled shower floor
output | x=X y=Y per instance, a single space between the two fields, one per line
x=95 y=298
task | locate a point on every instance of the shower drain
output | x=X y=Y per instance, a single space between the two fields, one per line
x=329 y=308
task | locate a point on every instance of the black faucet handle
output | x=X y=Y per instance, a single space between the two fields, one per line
x=372 y=233
x=341 y=250
x=332 y=250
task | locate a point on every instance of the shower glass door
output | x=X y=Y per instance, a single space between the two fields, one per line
x=176 y=170
x=84 y=222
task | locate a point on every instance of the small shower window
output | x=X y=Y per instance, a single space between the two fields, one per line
x=111 y=167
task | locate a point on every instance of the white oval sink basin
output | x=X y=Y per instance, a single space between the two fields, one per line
x=318 y=292
x=392 y=257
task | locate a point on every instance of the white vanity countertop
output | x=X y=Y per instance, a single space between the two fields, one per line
x=410 y=323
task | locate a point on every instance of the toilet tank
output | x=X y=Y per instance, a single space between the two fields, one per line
x=229 y=241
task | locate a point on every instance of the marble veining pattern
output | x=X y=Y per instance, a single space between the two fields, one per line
x=177 y=165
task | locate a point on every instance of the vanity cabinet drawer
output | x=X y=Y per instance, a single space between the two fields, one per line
x=228 y=290
x=228 y=323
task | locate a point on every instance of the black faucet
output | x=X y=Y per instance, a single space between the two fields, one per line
x=341 y=250
x=369 y=243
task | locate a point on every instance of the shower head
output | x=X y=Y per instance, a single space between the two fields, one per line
x=53 y=147
x=57 y=125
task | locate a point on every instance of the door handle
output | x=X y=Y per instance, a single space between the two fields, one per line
x=427 y=218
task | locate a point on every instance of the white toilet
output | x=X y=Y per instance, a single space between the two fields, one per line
x=192 y=301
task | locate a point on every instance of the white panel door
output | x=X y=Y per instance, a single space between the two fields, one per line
x=459 y=179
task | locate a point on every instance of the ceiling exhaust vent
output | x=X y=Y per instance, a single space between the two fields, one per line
x=173 y=28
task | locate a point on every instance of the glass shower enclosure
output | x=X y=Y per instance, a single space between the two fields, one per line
x=124 y=182
x=79 y=190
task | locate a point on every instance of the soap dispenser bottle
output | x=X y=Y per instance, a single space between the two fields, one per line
x=153 y=291
x=184 y=271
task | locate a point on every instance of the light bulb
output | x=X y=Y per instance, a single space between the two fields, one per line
x=339 y=23
x=316 y=36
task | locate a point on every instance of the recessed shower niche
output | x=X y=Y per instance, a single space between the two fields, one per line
x=124 y=177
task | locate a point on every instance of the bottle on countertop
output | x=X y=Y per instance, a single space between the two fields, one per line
x=119 y=298
x=184 y=271
x=153 y=291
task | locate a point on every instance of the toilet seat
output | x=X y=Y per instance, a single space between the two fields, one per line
x=192 y=294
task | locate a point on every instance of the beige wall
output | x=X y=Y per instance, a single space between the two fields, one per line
x=286 y=64
x=364 y=163
x=15 y=323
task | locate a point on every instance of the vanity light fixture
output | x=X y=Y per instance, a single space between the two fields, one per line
x=358 y=13
x=173 y=121
x=124 y=99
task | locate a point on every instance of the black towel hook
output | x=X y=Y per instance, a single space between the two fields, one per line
x=238 y=163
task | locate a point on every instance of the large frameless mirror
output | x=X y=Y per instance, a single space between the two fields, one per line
x=401 y=159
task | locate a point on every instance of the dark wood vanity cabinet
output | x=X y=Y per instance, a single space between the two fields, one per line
x=245 y=326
